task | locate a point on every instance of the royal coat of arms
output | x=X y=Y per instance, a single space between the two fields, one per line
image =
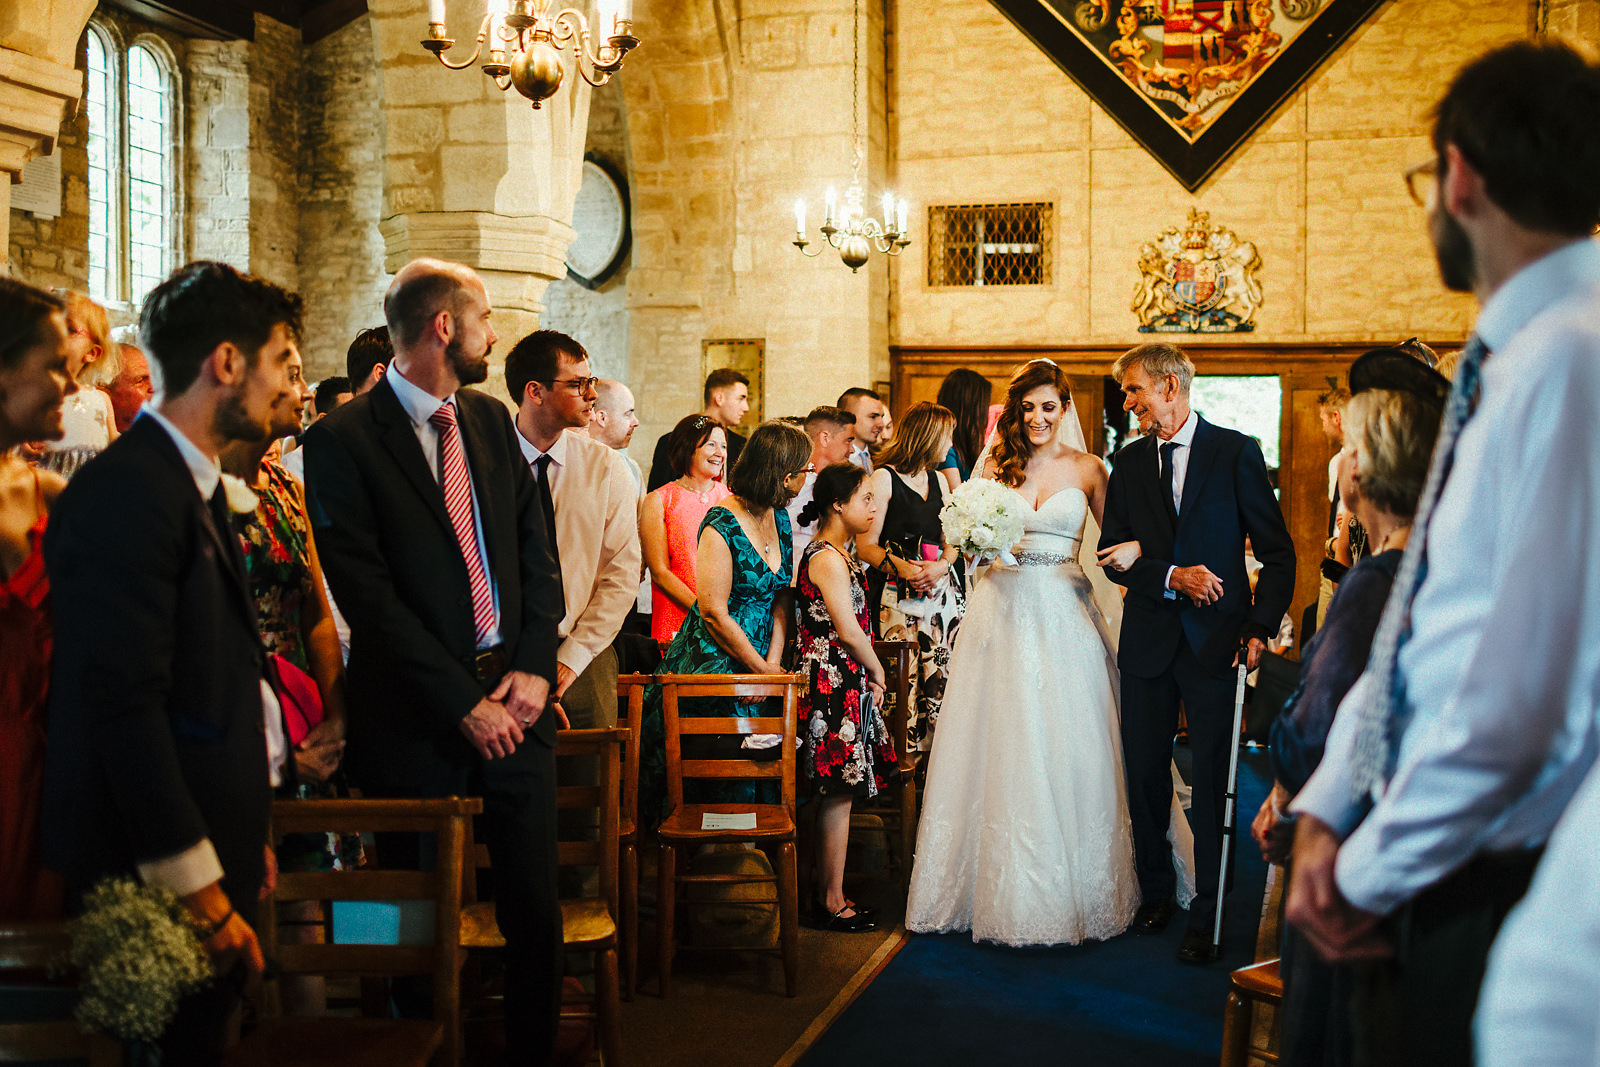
x=1190 y=79
x=1197 y=279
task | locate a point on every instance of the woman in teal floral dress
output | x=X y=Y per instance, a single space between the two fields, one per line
x=741 y=616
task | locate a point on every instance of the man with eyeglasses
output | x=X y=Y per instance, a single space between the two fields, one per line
x=1473 y=725
x=591 y=506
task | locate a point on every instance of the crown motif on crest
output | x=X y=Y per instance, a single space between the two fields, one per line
x=1197 y=234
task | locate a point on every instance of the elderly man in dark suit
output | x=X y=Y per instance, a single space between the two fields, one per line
x=1189 y=493
x=164 y=734
x=432 y=533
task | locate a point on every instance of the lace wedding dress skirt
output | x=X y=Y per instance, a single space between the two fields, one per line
x=1025 y=837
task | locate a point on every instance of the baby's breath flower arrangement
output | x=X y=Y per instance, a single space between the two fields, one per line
x=137 y=954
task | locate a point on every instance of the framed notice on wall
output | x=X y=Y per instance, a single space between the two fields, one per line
x=748 y=358
x=40 y=189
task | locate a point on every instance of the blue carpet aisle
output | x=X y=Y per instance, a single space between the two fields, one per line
x=943 y=1000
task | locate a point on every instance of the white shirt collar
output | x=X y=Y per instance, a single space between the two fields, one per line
x=1535 y=287
x=557 y=452
x=419 y=404
x=206 y=470
x=1185 y=435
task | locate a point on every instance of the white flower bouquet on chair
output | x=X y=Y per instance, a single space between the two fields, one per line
x=984 y=519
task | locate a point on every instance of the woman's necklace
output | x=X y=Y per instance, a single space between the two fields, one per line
x=1383 y=542
x=704 y=496
x=769 y=541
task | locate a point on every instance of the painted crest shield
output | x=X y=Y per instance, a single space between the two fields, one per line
x=1197 y=278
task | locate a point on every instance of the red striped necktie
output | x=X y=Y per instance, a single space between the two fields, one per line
x=457 y=487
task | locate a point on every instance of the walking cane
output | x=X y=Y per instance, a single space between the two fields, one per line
x=1228 y=810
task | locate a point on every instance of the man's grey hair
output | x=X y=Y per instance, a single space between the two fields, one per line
x=1157 y=359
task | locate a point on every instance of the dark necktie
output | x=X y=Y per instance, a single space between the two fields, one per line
x=222 y=518
x=547 y=503
x=1166 y=480
x=1386 y=712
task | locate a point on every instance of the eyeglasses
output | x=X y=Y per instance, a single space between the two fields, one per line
x=582 y=385
x=1422 y=182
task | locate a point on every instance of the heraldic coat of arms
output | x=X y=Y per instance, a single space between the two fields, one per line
x=1200 y=279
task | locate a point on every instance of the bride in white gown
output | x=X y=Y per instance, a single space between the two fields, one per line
x=1025 y=837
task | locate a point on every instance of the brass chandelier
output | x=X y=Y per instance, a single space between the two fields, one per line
x=853 y=232
x=526 y=39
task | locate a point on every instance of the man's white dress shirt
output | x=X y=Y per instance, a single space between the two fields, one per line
x=1184 y=439
x=1502 y=666
x=861 y=456
x=1540 y=1005
x=419 y=405
x=197 y=866
x=597 y=539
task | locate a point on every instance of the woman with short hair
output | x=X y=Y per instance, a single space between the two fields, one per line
x=740 y=618
x=1390 y=426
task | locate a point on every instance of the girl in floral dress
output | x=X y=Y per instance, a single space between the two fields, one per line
x=848 y=750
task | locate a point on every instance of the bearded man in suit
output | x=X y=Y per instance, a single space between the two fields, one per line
x=1189 y=493
x=434 y=541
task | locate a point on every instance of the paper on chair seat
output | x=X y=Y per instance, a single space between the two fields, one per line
x=744 y=820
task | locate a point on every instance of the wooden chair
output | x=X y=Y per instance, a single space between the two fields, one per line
x=775 y=823
x=279 y=1042
x=897 y=807
x=27 y=951
x=589 y=923
x=1259 y=983
x=630 y=688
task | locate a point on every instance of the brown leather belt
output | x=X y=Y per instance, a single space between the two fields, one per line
x=490 y=666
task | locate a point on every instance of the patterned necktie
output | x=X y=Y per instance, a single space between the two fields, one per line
x=457 y=486
x=1386 y=712
x=1166 y=480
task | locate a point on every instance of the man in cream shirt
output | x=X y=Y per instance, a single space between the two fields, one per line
x=593 y=512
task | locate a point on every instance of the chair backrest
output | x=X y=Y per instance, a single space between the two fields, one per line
x=677 y=687
x=604 y=798
x=449 y=819
x=899 y=659
x=630 y=693
x=39 y=1027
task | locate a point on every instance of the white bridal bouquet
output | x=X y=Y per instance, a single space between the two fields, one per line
x=984 y=519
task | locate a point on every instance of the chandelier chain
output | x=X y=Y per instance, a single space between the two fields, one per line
x=855 y=92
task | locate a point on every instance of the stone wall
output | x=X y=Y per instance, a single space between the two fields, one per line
x=55 y=252
x=340 y=195
x=217 y=91
x=276 y=102
x=598 y=318
x=1318 y=188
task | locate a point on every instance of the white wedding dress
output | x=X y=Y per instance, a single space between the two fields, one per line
x=1025 y=837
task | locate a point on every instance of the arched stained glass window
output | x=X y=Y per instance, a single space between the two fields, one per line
x=131 y=95
x=101 y=98
x=149 y=171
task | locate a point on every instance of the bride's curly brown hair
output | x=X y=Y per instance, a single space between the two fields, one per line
x=1012 y=449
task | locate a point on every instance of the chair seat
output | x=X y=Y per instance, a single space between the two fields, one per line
x=585 y=924
x=1259 y=981
x=774 y=822
x=353 y=1042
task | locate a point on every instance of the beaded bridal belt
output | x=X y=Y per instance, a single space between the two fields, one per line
x=1043 y=559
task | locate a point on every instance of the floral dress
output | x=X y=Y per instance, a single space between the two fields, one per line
x=694 y=651
x=277 y=556
x=846 y=751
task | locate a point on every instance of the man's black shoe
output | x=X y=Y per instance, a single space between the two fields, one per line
x=1197 y=948
x=1153 y=918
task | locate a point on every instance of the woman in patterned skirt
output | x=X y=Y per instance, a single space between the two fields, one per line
x=848 y=750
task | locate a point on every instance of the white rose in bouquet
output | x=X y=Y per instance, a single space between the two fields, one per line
x=984 y=519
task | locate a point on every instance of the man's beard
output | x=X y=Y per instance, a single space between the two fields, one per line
x=232 y=421
x=1452 y=249
x=469 y=370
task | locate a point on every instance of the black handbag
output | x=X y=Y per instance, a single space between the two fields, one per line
x=1277 y=680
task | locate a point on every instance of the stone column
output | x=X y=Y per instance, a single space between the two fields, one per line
x=40 y=85
x=475 y=174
